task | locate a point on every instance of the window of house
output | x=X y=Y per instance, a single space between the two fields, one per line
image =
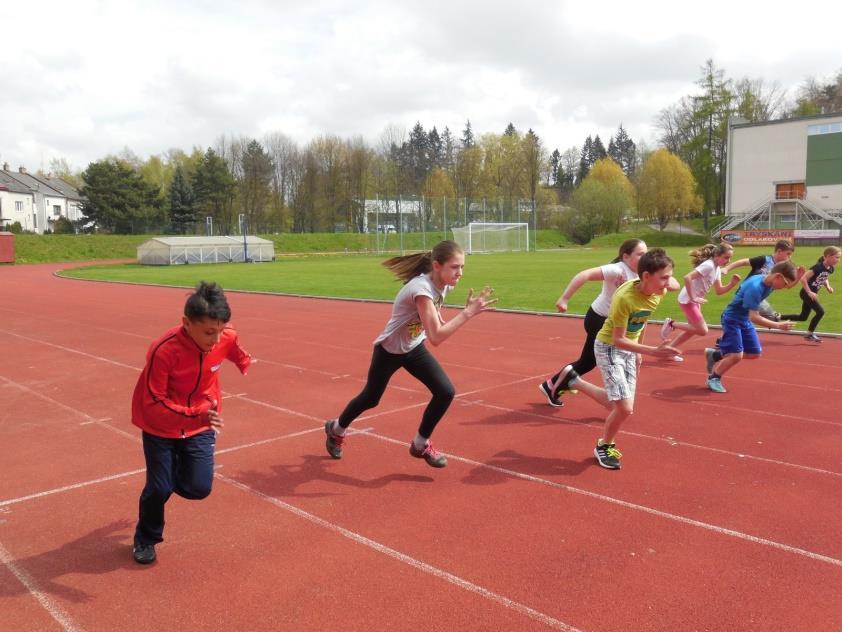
x=790 y=191
x=56 y=210
x=824 y=128
x=19 y=206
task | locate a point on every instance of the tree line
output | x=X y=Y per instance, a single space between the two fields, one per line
x=322 y=186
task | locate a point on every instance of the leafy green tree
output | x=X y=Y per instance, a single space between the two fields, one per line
x=666 y=188
x=619 y=194
x=182 y=213
x=118 y=200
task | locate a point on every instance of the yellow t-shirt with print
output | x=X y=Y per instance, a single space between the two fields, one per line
x=630 y=308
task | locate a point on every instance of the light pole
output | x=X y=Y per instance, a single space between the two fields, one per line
x=243 y=231
x=209 y=225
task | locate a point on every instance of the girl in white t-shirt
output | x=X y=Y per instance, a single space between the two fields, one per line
x=416 y=316
x=612 y=275
x=708 y=261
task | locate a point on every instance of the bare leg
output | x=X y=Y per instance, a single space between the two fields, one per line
x=620 y=411
x=591 y=390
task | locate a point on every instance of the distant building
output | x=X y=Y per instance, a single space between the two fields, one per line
x=785 y=174
x=36 y=201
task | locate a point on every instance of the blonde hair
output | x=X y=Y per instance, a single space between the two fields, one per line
x=708 y=251
x=830 y=251
x=407 y=267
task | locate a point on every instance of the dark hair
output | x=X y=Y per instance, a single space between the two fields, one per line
x=709 y=251
x=654 y=260
x=786 y=268
x=626 y=248
x=408 y=267
x=784 y=244
x=208 y=301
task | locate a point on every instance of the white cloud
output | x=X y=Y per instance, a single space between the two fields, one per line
x=85 y=79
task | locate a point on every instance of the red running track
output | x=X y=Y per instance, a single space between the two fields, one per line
x=724 y=517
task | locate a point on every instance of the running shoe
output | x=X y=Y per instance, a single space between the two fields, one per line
x=677 y=358
x=547 y=389
x=715 y=384
x=608 y=456
x=811 y=337
x=666 y=328
x=709 y=359
x=143 y=553
x=333 y=442
x=433 y=457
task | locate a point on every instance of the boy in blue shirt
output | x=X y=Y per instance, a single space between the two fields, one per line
x=739 y=337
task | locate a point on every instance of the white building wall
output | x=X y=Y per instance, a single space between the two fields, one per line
x=762 y=156
x=17 y=207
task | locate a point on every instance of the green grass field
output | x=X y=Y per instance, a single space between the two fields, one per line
x=523 y=281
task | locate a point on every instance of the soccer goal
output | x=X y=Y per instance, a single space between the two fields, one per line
x=492 y=236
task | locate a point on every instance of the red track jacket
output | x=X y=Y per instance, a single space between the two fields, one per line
x=176 y=389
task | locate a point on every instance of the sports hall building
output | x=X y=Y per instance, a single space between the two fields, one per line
x=785 y=176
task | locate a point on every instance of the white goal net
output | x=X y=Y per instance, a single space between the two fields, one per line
x=492 y=236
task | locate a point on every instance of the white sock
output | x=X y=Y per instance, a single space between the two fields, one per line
x=337 y=429
x=419 y=442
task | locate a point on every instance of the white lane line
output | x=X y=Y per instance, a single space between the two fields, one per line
x=88 y=419
x=53 y=609
x=669 y=440
x=629 y=505
x=58 y=490
x=406 y=559
x=72 y=350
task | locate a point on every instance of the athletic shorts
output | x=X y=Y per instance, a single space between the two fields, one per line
x=693 y=312
x=739 y=336
x=619 y=370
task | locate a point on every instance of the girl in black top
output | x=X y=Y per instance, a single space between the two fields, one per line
x=816 y=277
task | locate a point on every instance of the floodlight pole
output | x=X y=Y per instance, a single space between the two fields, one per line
x=209 y=225
x=243 y=226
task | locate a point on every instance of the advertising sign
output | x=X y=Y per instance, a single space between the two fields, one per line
x=756 y=237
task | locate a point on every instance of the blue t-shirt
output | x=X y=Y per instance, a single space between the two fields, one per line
x=752 y=292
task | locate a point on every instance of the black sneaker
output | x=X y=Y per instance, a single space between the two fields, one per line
x=716 y=343
x=333 y=442
x=811 y=337
x=143 y=553
x=433 y=457
x=547 y=389
x=608 y=456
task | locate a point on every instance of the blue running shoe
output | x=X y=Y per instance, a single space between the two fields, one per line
x=715 y=384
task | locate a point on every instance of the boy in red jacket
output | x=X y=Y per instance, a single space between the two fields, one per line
x=177 y=405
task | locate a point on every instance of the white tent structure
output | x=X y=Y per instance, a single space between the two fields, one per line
x=166 y=251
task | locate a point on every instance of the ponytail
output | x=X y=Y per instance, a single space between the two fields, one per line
x=626 y=248
x=407 y=267
x=708 y=251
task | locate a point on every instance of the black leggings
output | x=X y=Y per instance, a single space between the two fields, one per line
x=587 y=360
x=419 y=363
x=807 y=305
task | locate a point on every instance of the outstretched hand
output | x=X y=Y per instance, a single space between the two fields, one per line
x=666 y=351
x=735 y=278
x=479 y=303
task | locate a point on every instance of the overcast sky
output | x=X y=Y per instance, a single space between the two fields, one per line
x=81 y=79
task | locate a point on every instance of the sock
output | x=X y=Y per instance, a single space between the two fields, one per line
x=337 y=429
x=419 y=442
x=601 y=442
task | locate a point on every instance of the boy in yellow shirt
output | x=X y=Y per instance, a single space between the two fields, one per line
x=618 y=348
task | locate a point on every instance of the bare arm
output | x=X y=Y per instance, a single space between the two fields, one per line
x=722 y=289
x=618 y=337
x=688 y=285
x=757 y=319
x=739 y=263
x=437 y=330
x=591 y=274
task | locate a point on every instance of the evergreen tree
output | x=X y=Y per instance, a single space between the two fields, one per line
x=597 y=150
x=555 y=162
x=435 y=147
x=625 y=151
x=448 y=150
x=182 y=215
x=510 y=130
x=213 y=191
x=118 y=200
x=467 y=136
x=585 y=161
x=417 y=154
